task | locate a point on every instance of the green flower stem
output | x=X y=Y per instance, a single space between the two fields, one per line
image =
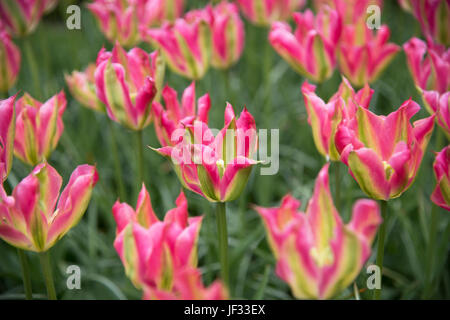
x=380 y=247
x=33 y=68
x=117 y=166
x=47 y=271
x=221 y=218
x=140 y=158
x=25 y=274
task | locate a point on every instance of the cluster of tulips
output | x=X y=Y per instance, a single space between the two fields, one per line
x=316 y=253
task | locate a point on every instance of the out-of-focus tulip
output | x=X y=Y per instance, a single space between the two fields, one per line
x=264 y=12
x=28 y=219
x=434 y=18
x=9 y=61
x=184 y=44
x=21 y=17
x=7 y=131
x=118 y=20
x=405 y=5
x=325 y=118
x=125 y=83
x=167 y=119
x=153 y=251
x=428 y=64
x=351 y=11
x=384 y=153
x=441 y=194
x=82 y=87
x=155 y=12
x=188 y=286
x=311 y=50
x=364 y=53
x=439 y=104
x=49 y=5
x=218 y=167
x=38 y=127
x=317 y=255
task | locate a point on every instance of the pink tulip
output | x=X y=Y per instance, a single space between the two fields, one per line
x=9 y=61
x=264 y=12
x=311 y=49
x=441 y=194
x=351 y=11
x=216 y=167
x=384 y=153
x=317 y=255
x=82 y=87
x=439 y=104
x=28 y=219
x=428 y=64
x=168 y=119
x=434 y=18
x=155 y=12
x=153 y=251
x=325 y=118
x=184 y=45
x=21 y=17
x=38 y=127
x=7 y=131
x=364 y=54
x=125 y=83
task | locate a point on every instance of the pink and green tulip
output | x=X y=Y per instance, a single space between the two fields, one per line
x=82 y=87
x=439 y=104
x=156 y=12
x=317 y=255
x=28 y=218
x=264 y=12
x=351 y=11
x=441 y=194
x=325 y=118
x=310 y=50
x=126 y=84
x=184 y=45
x=384 y=153
x=38 y=127
x=21 y=17
x=9 y=61
x=216 y=167
x=363 y=54
x=7 y=131
x=167 y=119
x=153 y=251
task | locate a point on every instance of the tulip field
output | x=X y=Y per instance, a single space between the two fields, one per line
x=214 y=150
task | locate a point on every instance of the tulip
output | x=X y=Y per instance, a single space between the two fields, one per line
x=152 y=251
x=264 y=12
x=188 y=286
x=21 y=17
x=434 y=18
x=429 y=65
x=155 y=12
x=441 y=194
x=125 y=83
x=317 y=255
x=7 y=131
x=351 y=11
x=118 y=20
x=325 y=118
x=166 y=120
x=82 y=87
x=49 y=5
x=28 y=219
x=311 y=49
x=363 y=55
x=384 y=153
x=440 y=106
x=218 y=167
x=9 y=62
x=38 y=127
x=184 y=44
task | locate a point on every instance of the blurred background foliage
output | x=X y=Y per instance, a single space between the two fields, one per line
x=275 y=103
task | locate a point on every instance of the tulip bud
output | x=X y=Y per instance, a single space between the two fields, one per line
x=441 y=194
x=317 y=255
x=21 y=17
x=125 y=83
x=311 y=49
x=264 y=12
x=82 y=88
x=28 y=219
x=38 y=127
x=9 y=62
x=434 y=18
x=7 y=131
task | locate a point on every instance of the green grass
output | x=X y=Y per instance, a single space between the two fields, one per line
x=86 y=139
